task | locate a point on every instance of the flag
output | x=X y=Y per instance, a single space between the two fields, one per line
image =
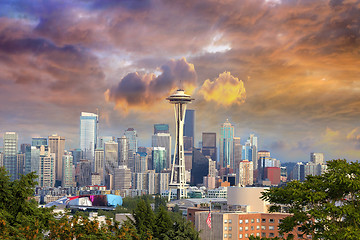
x=208 y=220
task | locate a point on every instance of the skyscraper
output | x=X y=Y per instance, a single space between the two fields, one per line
x=57 y=146
x=245 y=173
x=88 y=134
x=189 y=124
x=123 y=149
x=141 y=162
x=10 y=154
x=161 y=128
x=179 y=99
x=46 y=170
x=163 y=140
x=110 y=159
x=131 y=136
x=209 y=145
x=67 y=177
x=249 y=150
x=99 y=162
x=226 y=144
x=317 y=158
x=159 y=159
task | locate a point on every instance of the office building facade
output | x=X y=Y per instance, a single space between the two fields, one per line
x=88 y=134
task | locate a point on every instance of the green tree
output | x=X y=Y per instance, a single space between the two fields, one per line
x=159 y=201
x=164 y=224
x=20 y=216
x=326 y=206
x=144 y=219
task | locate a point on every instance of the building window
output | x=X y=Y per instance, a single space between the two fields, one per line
x=240 y=221
x=240 y=228
x=258 y=234
x=240 y=235
x=252 y=228
x=263 y=227
x=225 y=220
x=225 y=228
x=263 y=220
x=230 y=221
x=246 y=220
x=246 y=235
x=230 y=228
x=252 y=220
x=271 y=235
x=225 y=235
x=271 y=220
x=258 y=220
x=257 y=227
x=271 y=227
x=230 y=235
x=263 y=234
x=246 y=228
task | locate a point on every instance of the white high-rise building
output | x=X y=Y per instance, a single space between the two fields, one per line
x=88 y=134
x=57 y=146
x=10 y=154
x=317 y=158
x=131 y=136
x=245 y=174
x=123 y=149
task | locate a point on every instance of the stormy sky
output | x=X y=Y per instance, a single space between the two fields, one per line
x=286 y=70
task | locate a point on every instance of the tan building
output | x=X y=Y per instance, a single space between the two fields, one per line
x=237 y=225
x=57 y=146
x=247 y=197
x=245 y=174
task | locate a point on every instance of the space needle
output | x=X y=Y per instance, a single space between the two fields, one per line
x=178 y=179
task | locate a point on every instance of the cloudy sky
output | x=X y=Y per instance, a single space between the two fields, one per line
x=286 y=70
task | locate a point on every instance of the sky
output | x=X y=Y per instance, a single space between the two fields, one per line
x=286 y=70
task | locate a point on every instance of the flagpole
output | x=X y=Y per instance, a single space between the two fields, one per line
x=211 y=229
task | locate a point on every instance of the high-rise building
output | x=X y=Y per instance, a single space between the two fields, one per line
x=249 y=150
x=141 y=162
x=23 y=147
x=88 y=134
x=237 y=150
x=46 y=167
x=200 y=167
x=227 y=145
x=299 y=171
x=123 y=145
x=1 y=159
x=39 y=141
x=131 y=136
x=83 y=173
x=161 y=128
x=122 y=178
x=163 y=140
x=77 y=155
x=245 y=174
x=67 y=176
x=99 y=162
x=189 y=128
x=110 y=159
x=317 y=158
x=159 y=158
x=57 y=146
x=20 y=164
x=105 y=139
x=209 y=145
x=10 y=154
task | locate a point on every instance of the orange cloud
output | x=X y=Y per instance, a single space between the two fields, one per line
x=226 y=90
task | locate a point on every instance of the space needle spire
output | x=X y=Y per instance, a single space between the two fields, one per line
x=178 y=179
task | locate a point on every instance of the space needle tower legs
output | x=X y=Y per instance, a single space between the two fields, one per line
x=178 y=179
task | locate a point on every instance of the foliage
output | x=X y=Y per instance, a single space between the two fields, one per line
x=20 y=216
x=79 y=227
x=326 y=206
x=162 y=225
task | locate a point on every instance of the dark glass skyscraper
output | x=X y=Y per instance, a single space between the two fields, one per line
x=209 y=145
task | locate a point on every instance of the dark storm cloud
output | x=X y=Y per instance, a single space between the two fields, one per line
x=139 y=91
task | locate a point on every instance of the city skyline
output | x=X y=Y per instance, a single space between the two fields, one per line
x=284 y=70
